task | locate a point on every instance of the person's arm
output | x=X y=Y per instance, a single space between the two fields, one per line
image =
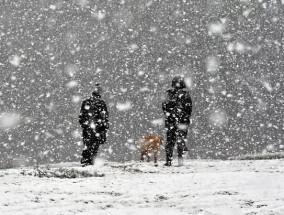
x=105 y=115
x=188 y=104
x=83 y=116
x=164 y=107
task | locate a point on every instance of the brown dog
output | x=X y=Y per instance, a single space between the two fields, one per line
x=150 y=144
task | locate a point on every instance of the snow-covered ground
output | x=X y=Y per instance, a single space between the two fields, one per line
x=200 y=187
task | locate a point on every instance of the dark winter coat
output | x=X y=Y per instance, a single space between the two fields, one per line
x=178 y=107
x=183 y=107
x=168 y=109
x=94 y=115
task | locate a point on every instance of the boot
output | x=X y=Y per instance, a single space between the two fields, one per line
x=180 y=161
x=168 y=161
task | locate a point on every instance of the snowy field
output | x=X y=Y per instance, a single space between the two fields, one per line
x=200 y=187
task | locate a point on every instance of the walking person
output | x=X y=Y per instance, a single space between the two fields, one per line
x=177 y=109
x=94 y=121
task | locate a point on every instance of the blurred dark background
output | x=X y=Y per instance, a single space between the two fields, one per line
x=52 y=53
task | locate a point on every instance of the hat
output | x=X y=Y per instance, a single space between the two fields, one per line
x=178 y=82
x=97 y=90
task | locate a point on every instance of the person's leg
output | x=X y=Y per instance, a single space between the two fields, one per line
x=148 y=157
x=86 y=154
x=181 y=146
x=171 y=138
x=142 y=155
x=86 y=137
x=184 y=138
x=94 y=152
x=155 y=157
x=96 y=140
x=181 y=139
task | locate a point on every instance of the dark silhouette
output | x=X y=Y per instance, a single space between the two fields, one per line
x=49 y=45
x=177 y=109
x=93 y=119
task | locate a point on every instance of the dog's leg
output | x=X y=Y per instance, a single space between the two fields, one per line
x=148 y=157
x=142 y=156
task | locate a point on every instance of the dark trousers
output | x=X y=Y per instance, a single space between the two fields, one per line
x=92 y=141
x=175 y=135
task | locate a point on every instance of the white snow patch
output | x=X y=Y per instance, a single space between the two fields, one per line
x=270 y=147
x=247 y=12
x=240 y=47
x=9 y=120
x=144 y=89
x=15 y=60
x=99 y=14
x=76 y=134
x=261 y=105
x=216 y=28
x=50 y=106
x=158 y=121
x=267 y=86
x=124 y=106
x=76 y=99
x=200 y=187
x=212 y=64
x=230 y=47
x=132 y=48
x=187 y=41
x=153 y=29
x=99 y=162
x=188 y=82
x=130 y=140
x=123 y=90
x=218 y=118
x=71 y=69
x=52 y=7
x=72 y=84
x=82 y=3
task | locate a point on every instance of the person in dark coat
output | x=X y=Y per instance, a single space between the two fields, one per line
x=94 y=121
x=177 y=109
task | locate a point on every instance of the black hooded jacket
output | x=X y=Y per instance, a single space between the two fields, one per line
x=94 y=114
x=178 y=107
x=168 y=108
x=183 y=106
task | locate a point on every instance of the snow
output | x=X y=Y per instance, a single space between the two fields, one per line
x=218 y=118
x=83 y=3
x=53 y=53
x=158 y=121
x=267 y=86
x=201 y=187
x=189 y=82
x=72 y=84
x=76 y=99
x=52 y=7
x=212 y=64
x=216 y=28
x=124 y=106
x=9 y=120
x=99 y=14
x=15 y=60
x=263 y=156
